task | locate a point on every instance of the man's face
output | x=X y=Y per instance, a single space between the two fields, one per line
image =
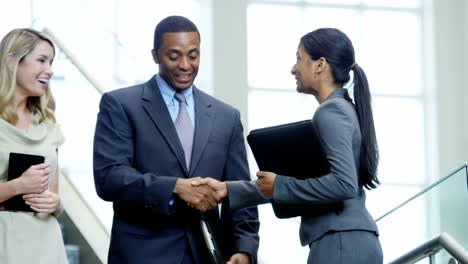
x=178 y=58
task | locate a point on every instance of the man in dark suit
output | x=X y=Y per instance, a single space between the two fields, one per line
x=150 y=140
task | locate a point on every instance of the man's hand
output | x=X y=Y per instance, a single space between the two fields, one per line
x=219 y=186
x=45 y=202
x=239 y=258
x=265 y=183
x=200 y=197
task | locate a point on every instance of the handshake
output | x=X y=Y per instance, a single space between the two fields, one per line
x=205 y=193
x=201 y=193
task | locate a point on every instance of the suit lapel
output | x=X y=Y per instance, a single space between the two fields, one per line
x=203 y=124
x=156 y=108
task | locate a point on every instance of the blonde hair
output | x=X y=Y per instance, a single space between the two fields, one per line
x=16 y=45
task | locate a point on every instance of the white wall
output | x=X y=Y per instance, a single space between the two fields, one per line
x=450 y=36
x=230 y=46
x=451 y=68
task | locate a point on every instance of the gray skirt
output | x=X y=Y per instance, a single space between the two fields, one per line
x=350 y=247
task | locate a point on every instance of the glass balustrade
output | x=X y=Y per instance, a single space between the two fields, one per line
x=442 y=207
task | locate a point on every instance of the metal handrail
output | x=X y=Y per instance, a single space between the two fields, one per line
x=431 y=247
x=74 y=61
x=464 y=166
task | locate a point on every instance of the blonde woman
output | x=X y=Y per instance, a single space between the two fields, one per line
x=27 y=126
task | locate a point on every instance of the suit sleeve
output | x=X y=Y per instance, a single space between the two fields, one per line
x=244 y=223
x=335 y=128
x=244 y=194
x=115 y=178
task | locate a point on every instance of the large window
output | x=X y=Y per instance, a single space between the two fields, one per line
x=18 y=15
x=135 y=29
x=112 y=40
x=387 y=36
x=389 y=42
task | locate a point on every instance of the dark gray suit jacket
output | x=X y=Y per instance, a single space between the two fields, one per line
x=338 y=129
x=137 y=160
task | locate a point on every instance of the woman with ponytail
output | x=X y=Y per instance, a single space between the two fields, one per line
x=325 y=58
x=345 y=233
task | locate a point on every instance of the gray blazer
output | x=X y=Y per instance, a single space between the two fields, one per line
x=338 y=128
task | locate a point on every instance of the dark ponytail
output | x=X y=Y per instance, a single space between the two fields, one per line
x=337 y=49
x=369 y=158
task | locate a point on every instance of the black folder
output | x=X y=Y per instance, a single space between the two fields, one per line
x=210 y=227
x=19 y=163
x=293 y=150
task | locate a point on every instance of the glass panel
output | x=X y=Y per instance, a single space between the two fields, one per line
x=400 y=133
x=280 y=1
x=380 y=3
x=346 y=20
x=136 y=33
x=443 y=257
x=117 y=51
x=78 y=121
x=388 y=196
x=441 y=209
x=392 y=52
x=268 y=108
x=274 y=108
x=279 y=239
x=393 y=3
x=272 y=45
x=337 y=2
x=269 y=61
x=93 y=46
x=17 y=15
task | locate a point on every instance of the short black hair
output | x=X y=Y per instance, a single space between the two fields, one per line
x=173 y=24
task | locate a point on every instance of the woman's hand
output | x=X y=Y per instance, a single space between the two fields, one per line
x=33 y=180
x=45 y=202
x=265 y=183
x=239 y=258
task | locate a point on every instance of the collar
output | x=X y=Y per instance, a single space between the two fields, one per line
x=168 y=92
x=340 y=92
